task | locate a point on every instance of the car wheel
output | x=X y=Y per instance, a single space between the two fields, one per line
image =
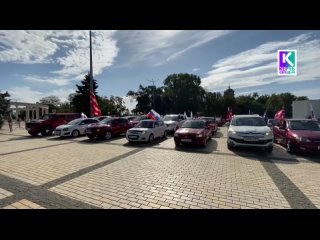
x=91 y=137
x=269 y=149
x=33 y=134
x=210 y=137
x=204 y=142
x=46 y=131
x=75 y=133
x=151 y=138
x=165 y=134
x=229 y=146
x=108 y=135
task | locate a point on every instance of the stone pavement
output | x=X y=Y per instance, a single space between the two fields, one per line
x=49 y=172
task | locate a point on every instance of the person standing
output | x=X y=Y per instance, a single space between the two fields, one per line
x=10 y=124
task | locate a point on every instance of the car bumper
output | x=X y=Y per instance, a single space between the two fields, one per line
x=137 y=138
x=62 y=133
x=193 y=141
x=240 y=142
x=307 y=147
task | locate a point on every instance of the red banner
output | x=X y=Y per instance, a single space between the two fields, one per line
x=281 y=115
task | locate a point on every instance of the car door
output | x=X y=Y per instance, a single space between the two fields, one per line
x=84 y=124
x=156 y=129
x=162 y=128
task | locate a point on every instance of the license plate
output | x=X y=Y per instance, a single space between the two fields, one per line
x=186 y=140
x=133 y=137
x=250 y=139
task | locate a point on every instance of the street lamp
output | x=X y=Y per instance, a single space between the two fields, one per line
x=152 y=91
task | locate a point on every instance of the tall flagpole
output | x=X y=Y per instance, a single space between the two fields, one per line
x=91 y=77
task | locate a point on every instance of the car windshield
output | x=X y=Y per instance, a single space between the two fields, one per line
x=193 y=124
x=75 y=122
x=304 y=125
x=145 y=124
x=107 y=121
x=139 y=118
x=248 y=121
x=170 y=118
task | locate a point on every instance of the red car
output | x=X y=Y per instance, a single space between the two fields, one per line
x=193 y=132
x=212 y=123
x=107 y=128
x=137 y=119
x=298 y=134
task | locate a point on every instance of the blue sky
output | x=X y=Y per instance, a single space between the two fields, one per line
x=36 y=64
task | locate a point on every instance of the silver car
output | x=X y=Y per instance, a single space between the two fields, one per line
x=146 y=131
x=74 y=128
x=173 y=121
x=249 y=131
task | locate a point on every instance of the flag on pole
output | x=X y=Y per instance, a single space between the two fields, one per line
x=229 y=114
x=154 y=115
x=94 y=105
x=280 y=115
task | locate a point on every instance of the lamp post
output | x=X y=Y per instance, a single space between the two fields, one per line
x=152 y=91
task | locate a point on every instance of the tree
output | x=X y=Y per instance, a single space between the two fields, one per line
x=274 y=104
x=52 y=101
x=184 y=91
x=81 y=99
x=4 y=106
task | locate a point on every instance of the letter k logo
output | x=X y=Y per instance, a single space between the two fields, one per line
x=285 y=58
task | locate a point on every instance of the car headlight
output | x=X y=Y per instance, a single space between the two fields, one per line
x=65 y=129
x=144 y=132
x=232 y=131
x=268 y=133
x=199 y=136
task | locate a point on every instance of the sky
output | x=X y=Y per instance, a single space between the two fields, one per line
x=39 y=63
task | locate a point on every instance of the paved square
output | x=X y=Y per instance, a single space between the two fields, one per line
x=49 y=172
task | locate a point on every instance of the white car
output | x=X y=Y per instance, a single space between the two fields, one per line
x=146 y=131
x=249 y=131
x=173 y=121
x=74 y=128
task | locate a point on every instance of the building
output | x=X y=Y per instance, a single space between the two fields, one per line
x=29 y=110
x=229 y=93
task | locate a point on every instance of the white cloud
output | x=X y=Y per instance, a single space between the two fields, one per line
x=68 y=49
x=130 y=102
x=258 y=66
x=26 y=94
x=195 y=69
x=158 y=47
x=46 y=80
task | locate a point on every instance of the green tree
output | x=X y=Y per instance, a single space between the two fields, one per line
x=184 y=92
x=81 y=100
x=274 y=104
x=4 y=106
x=52 y=101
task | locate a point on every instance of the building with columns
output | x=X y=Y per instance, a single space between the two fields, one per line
x=31 y=111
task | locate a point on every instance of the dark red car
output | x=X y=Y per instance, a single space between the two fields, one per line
x=212 y=123
x=298 y=134
x=137 y=119
x=107 y=128
x=193 y=132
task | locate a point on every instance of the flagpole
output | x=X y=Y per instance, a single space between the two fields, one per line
x=91 y=77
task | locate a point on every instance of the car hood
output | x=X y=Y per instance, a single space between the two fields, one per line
x=169 y=122
x=139 y=129
x=306 y=133
x=63 y=126
x=189 y=130
x=253 y=129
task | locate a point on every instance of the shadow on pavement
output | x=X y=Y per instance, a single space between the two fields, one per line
x=210 y=147
x=87 y=140
x=262 y=155
x=218 y=135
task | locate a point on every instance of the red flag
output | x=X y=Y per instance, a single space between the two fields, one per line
x=229 y=115
x=281 y=115
x=94 y=105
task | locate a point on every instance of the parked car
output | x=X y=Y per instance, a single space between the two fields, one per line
x=271 y=122
x=193 y=132
x=107 y=128
x=100 y=118
x=249 y=131
x=298 y=134
x=173 y=121
x=49 y=122
x=220 y=121
x=74 y=128
x=137 y=119
x=147 y=131
x=212 y=123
